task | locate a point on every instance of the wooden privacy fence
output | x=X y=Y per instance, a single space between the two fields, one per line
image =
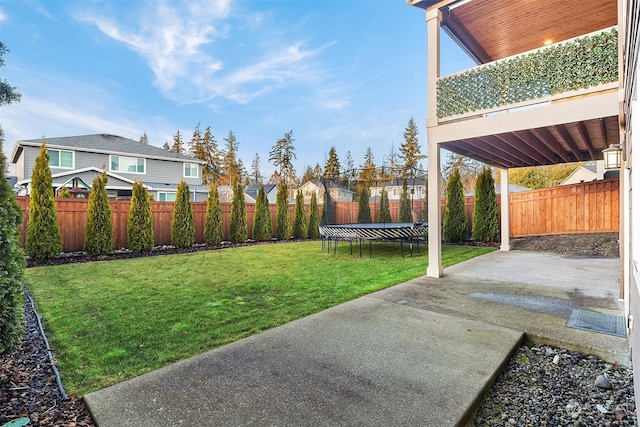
x=591 y=207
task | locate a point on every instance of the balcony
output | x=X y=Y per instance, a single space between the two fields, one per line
x=574 y=68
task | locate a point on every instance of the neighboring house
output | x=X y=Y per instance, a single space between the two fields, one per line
x=75 y=160
x=271 y=191
x=590 y=172
x=415 y=187
x=225 y=192
x=337 y=192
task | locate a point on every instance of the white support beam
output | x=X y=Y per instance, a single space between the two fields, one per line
x=435 y=230
x=504 y=210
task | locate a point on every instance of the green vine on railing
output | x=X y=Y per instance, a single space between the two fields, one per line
x=579 y=64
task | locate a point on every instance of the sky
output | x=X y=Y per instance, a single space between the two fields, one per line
x=343 y=73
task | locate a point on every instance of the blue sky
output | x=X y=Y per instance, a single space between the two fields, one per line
x=343 y=73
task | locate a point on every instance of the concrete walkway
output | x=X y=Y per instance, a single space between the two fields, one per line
x=419 y=353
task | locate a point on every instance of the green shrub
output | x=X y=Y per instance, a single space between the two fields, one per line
x=11 y=265
x=43 y=230
x=64 y=193
x=299 y=218
x=283 y=227
x=484 y=222
x=183 y=233
x=262 y=228
x=98 y=238
x=384 y=213
x=140 y=235
x=455 y=217
x=364 y=211
x=406 y=215
x=313 y=228
x=213 y=220
x=238 y=222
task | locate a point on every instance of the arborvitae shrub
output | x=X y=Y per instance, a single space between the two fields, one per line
x=364 y=211
x=262 y=218
x=213 y=220
x=484 y=222
x=313 y=230
x=43 y=230
x=140 y=234
x=283 y=227
x=99 y=230
x=405 y=204
x=455 y=217
x=238 y=222
x=11 y=265
x=183 y=233
x=64 y=193
x=384 y=213
x=299 y=218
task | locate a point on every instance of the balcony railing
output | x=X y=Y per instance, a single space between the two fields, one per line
x=577 y=64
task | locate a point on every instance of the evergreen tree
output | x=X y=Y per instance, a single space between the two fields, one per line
x=282 y=155
x=43 y=230
x=384 y=213
x=332 y=167
x=318 y=172
x=64 y=193
x=98 y=238
x=256 y=176
x=8 y=93
x=140 y=234
x=410 y=149
x=283 y=227
x=313 y=229
x=308 y=175
x=262 y=228
x=238 y=221
x=455 y=217
x=348 y=171
x=205 y=147
x=368 y=173
x=178 y=146
x=467 y=168
x=144 y=139
x=406 y=215
x=231 y=166
x=165 y=146
x=364 y=211
x=484 y=222
x=12 y=261
x=425 y=206
x=183 y=233
x=213 y=219
x=299 y=218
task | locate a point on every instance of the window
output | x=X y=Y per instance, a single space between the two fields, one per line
x=166 y=197
x=190 y=170
x=60 y=159
x=126 y=164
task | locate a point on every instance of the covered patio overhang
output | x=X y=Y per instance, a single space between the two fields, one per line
x=556 y=128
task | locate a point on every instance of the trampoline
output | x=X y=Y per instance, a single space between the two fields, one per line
x=391 y=232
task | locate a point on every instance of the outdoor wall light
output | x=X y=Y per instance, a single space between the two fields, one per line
x=612 y=156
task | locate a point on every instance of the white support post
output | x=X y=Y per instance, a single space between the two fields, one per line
x=434 y=269
x=504 y=210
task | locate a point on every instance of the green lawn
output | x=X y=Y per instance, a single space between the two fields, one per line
x=110 y=321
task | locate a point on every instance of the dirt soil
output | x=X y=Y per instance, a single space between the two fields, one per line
x=597 y=244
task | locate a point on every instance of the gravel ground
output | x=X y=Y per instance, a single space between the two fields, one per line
x=547 y=386
x=540 y=386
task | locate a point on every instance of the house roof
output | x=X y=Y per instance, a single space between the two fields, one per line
x=103 y=143
x=252 y=190
x=326 y=183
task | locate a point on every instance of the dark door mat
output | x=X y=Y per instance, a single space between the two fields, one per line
x=593 y=321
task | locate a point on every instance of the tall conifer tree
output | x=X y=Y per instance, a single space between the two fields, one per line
x=405 y=204
x=283 y=227
x=455 y=217
x=43 y=230
x=484 y=222
x=384 y=213
x=313 y=229
x=238 y=222
x=182 y=225
x=213 y=219
x=140 y=234
x=299 y=218
x=99 y=231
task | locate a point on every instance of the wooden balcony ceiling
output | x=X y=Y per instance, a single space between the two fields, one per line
x=566 y=143
x=495 y=29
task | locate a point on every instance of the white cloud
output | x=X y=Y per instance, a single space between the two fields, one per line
x=192 y=52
